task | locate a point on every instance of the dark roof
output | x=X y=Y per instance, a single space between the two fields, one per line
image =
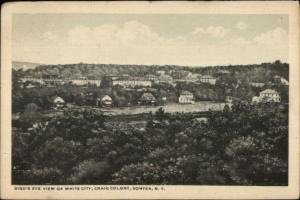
x=147 y=96
x=102 y=95
x=186 y=93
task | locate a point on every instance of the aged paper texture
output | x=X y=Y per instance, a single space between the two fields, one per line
x=150 y=100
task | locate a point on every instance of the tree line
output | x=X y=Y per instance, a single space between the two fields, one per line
x=242 y=145
x=252 y=72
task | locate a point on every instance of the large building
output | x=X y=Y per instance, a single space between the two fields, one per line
x=85 y=81
x=190 y=78
x=208 y=79
x=267 y=95
x=31 y=79
x=152 y=77
x=186 y=97
x=132 y=82
x=53 y=82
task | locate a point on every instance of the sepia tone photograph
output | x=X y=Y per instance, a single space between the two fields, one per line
x=152 y=99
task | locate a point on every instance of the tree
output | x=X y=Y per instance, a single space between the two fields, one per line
x=160 y=114
x=90 y=172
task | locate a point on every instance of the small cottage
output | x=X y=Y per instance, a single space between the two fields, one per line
x=104 y=101
x=228 y=99
x=58 y=102
x=186 y=97
x=147 y=98
x=200 y=120
x=256 y=99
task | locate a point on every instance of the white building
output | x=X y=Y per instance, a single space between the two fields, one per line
x=267 y=95
x=208 y=79
x=81 y=82
x=152 y=77
x=31 y=79
x=58 y=102
x=257 y=84
x=132 y=82
x=104 y=101
x=228 y=99
x=190 y=78
x=256 y=99
x=186 y=97
x=53 y=82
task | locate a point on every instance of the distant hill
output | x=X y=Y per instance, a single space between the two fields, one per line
x=253 y=72
x=24 y=65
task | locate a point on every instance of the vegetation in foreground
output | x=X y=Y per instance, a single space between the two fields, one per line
x=242 y=145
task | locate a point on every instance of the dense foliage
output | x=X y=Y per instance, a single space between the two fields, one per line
x=242 y=145
x=257 y=72
x=238 y=86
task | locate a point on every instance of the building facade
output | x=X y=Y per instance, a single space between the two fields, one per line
x=186 y=97
x=228 y=99
x=58 y=102
x=270 y=95
x=132 y=82
x=104 y=101
x=208 y=79
x=82 y=82
x=267 y=95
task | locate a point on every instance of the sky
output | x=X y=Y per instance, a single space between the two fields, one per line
x=162 y=39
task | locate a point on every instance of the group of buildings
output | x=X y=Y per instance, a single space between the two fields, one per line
x=52 y=81
x=267 y=95
x=160 y=76
x=146 y=98
x=148 y=80
x=172 y=78
x=185 y=97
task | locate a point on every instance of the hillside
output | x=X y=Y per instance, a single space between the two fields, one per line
x=24 y=65
x=252 y=72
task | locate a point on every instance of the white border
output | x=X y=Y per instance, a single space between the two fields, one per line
x=174 y=192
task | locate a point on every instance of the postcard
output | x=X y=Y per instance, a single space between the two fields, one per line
x=150 y=100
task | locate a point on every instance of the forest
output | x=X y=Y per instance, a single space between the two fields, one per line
x=241 y=77
x=244 y=144
x=256 y=72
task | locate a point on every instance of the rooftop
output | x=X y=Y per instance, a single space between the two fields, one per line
x=269 y=91
x=207 y=76
x=222 y=72
x=186 y=93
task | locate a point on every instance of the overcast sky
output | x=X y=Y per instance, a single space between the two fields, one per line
x=195 y=40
